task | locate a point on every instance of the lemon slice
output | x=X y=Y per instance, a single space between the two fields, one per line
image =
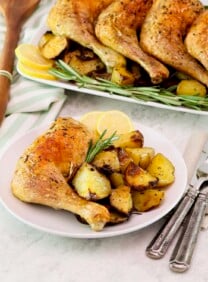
x=30 y=56
x=114 y=121
x=43 y=74
x=90 y=120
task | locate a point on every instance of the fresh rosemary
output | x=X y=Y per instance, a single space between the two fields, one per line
x=147 y=94
x=100 y=145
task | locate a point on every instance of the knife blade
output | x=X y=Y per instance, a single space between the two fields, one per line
x=162 y=240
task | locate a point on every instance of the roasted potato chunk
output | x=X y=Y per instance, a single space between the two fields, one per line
x=146 y=200
x=124 y=159
x=83 y=61
x=162 y=168
x=141 y=156
x=45 y=38
x=86 y=67
x=138 y=178
x=191 y=87
x=121 y=199
x=90 y=183
x=51 y=45
x=107 y=161
x=116 y=179
x=117 y=217
x=120 y=75
x=133 y=139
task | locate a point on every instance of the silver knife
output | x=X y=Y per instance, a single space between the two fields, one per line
x=160 y=243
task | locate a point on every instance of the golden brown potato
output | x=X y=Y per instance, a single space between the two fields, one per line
x=90 y=184
x=146 y=200
x=45 y=38
x=51 y=45
x=124 y=159
x=117 y=217
x=133 y=139
x=120 y=75
x=85 y=67
x=69 y=55
x=107 y=161
x=138 y=178
x=84 y=61
x=116 y=179
x=191 y=87
x=121 y=199
x=162 y=168
x=141 y=156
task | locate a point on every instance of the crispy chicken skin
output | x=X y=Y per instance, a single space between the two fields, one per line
x=75 y=19
x=163 y=31
x=117 y=27
x=196 y=40
x=43 y=170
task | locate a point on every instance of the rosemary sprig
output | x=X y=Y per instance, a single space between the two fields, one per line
x=100 y=145
x=146 y=94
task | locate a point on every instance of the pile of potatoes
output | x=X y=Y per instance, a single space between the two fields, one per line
x=84 y=60
x=127 y=177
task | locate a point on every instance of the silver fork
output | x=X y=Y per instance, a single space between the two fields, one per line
x=182 y=254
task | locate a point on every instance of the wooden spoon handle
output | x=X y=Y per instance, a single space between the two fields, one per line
x=7 y=63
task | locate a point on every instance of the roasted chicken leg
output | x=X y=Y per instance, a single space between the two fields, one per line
x=117 y=27
x=75 y=20
x=43 y=170
x=197 y=39
x=163 y=31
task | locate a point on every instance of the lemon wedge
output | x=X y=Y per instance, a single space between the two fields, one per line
x=38 y=73
x=114 y=121
x=30 y=56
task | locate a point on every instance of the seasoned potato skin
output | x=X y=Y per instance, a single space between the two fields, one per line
x=146 y=200
x=124 y=159
x=133 y=139
x=83 y=61
x=141 y=156
x=107 y=161
x=117 y=217
x=191 y=87
x=51 y=45
x=121 y=199
x=121 y=76
x=162 y=168
x=138 y=178
x=116 y=179
x=90 y=183
x=85 y=67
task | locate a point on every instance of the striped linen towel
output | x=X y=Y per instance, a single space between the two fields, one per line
x=31 y=103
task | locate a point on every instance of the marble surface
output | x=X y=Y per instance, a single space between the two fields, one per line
x=27 y=254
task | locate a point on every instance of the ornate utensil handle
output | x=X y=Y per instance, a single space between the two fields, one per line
x=160 y=243
x=182 y=254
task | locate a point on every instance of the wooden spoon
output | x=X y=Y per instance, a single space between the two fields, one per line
x=15 y=13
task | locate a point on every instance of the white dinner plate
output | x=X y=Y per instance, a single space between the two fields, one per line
x=64 y=223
